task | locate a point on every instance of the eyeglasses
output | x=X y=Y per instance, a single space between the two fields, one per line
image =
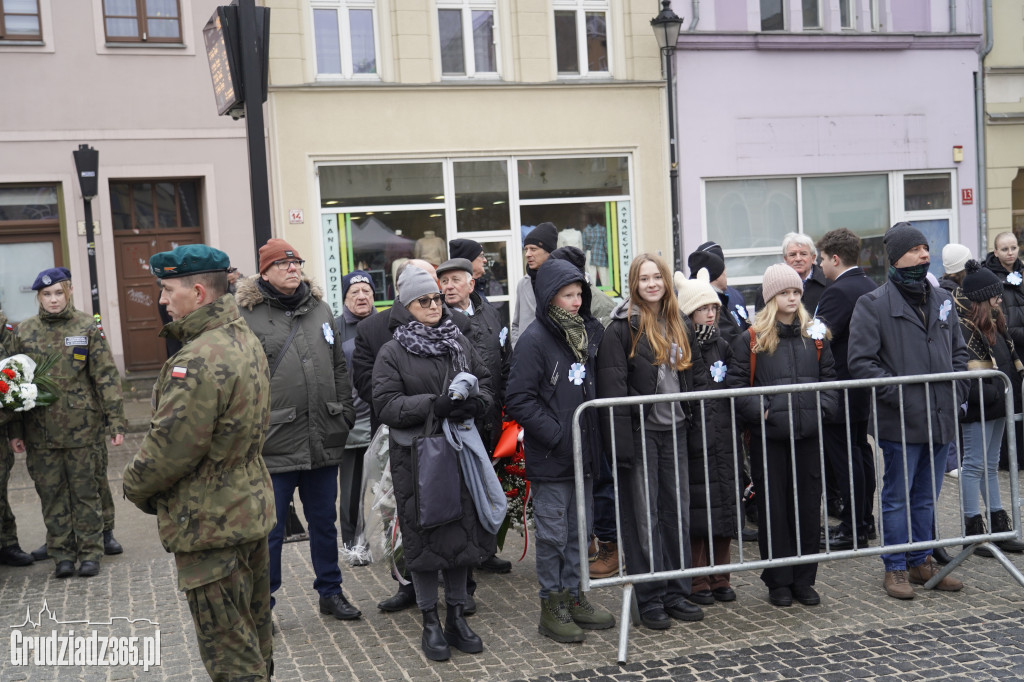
x=285 y=264
x=428 y=301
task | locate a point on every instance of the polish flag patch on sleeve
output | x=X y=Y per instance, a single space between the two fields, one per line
x=179 y=372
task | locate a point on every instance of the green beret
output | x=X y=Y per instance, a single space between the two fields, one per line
x=188 y=259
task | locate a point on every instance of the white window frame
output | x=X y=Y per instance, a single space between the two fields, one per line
x=342 y=7
x=821 y=19
x=851 y=14
x=581 y=7
x=467 y=7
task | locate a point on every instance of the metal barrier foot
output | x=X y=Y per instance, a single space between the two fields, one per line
x=630 y=614
x=1007 y=564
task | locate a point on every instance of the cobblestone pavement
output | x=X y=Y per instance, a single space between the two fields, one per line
x=856 y=633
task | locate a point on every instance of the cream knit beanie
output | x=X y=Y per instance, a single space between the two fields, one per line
x=695 y=293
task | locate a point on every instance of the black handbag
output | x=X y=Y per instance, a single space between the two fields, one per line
x=438 y=483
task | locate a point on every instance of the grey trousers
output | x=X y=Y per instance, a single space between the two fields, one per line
x=558 y=556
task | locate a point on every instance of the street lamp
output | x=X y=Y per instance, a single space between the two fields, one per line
x=666 y=29
x=87 y=162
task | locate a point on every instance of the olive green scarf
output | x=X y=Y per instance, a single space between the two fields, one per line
x=574 y=329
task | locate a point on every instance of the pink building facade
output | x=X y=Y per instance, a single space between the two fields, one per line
x=806 y=116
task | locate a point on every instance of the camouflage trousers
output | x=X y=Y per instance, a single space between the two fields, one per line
x=66 y=482
x=106 y=499
x=8 y=528
x=228 y=592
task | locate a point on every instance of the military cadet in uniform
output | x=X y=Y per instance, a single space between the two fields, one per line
x=199 y=469
x=66 y=452
x=10 y=551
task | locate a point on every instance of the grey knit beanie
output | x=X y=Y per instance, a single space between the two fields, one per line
x=413 y=283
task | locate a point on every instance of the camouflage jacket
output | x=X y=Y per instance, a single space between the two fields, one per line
x=90 y=385
x=199 y=468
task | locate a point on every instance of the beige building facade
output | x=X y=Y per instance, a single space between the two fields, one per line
x=1004 y=122
x=396 y=126
x=136 y=88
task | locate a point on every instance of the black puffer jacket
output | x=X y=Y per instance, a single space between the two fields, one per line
x=795 y=361
x=489 y=337
x=371 y=335
x=619 y=376
x=1013 y=296
x=405 y=387
x=713 y=427
x=542 y=395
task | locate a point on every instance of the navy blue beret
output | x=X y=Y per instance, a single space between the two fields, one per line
x=51 y=276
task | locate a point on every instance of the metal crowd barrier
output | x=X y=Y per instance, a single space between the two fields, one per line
x=745 y=561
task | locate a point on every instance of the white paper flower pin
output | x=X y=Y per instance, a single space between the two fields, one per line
x=577 y=373
x=718 y=371
x=817 y=330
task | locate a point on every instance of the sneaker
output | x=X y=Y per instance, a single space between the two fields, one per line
x=922 y=573
x=607 y=563
x=955 y=473
x=897 y=586
x=586 y=615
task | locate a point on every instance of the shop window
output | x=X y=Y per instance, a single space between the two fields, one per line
x=481 y=196
x=772 y=15
x=928 y=192
x=30 y=241
x=155 y=204
x=375 y=215
x=466 y=31
x=146 y=21
x=19 y=20
x=344 y=38
x=581 y=37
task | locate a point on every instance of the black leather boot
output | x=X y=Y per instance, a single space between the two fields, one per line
x=1001 y=524
x=433 y=642
x=975 y=525
x=457 y=631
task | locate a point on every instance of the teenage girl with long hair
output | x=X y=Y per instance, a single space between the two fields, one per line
x=646 y=350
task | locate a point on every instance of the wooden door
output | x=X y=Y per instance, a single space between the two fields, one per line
x=139 y=294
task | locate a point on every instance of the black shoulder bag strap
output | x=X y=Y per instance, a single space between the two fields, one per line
x=284 y=348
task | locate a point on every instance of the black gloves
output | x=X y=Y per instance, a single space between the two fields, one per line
x=443 y=406
x=465 y=409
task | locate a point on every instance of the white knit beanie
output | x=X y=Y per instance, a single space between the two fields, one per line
x=777 y=278
x=954 y=258
x=695 y=293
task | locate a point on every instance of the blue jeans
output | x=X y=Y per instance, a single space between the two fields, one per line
x=318 y=490
x=926 y=464
x=981 y=464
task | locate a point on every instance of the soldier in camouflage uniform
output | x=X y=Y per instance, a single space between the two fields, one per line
x=200 y=469
x=10 y=551
x=66 y=452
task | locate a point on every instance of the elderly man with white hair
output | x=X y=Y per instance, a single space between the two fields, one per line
x=799 y=252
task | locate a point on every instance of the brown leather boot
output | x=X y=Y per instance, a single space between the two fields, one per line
x=896 y=585
x=921 y=574
x=607 y=563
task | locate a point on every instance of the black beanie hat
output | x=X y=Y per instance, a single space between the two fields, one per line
x=706 y=259
x=544 y=235
x=571 y=254
x=465 y=248
x=900 y=238
x=980 y=284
